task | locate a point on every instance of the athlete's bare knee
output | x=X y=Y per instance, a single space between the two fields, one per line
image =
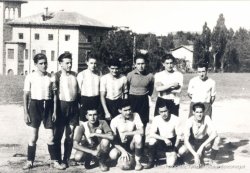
x=79 y=156
x=114 y=154
x=138 y=141
x=152 y=141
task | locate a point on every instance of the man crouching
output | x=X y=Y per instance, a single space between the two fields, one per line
x=128 y=130
x=92 y=138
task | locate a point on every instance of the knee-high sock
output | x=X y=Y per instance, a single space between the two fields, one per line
x=58 y=149
x=52 y=152
x=138 y=154
x=213 y=154
x=31 y=153
x=151 y=153
x=68 y=144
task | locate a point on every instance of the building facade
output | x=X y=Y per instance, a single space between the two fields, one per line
x=9 y=10
x=51 y=33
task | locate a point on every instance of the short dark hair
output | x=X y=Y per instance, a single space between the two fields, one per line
x=38 y=57
x=198 y=105
x=167 y=56
x=124 y=103
x=114 y=62
x=141 y=56
x=90 y=57
x=202 y=65
x=162 y=104
x=92 y=109
x=65 y=55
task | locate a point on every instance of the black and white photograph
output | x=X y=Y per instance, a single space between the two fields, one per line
x=122 y=85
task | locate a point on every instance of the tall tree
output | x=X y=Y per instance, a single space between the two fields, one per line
x=219 y=42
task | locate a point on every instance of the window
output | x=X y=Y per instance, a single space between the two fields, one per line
x=43 y=52
x=52 y=55
x=20 y=35
x=26 y=54
x=67 y=37
x=89 y=39
x=10 y=53
x=37 y=36
x=33 y=53
x=50 y=37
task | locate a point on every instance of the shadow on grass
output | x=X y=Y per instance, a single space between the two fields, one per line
x=227 y=151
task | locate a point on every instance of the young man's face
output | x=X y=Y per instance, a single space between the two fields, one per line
x=42 y=65
x=92 y=116
x=114 y=71
x=92 y=64
x=202 y=73
x=126 y=111
x=198 y=113
x=140 y=65
x=164 y=112
x=66 y=64
x=168 y=64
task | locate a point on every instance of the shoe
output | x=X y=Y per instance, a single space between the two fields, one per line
x=149 y=165
x=57 y=165
x=28 y=165
x=103 y=166
x=87 y=163
x=138 y=166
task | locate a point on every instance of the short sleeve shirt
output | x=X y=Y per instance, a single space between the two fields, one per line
x=85 y=129
x=66 y=85
x=166 y=129
x=199 y=130
x=40 y=86
x=120 y=125
x=114 y=87
x=166 y=78
x=89 y=83
x=201 y=91
x=140 y=84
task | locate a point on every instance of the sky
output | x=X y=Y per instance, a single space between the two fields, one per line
x=158 y=17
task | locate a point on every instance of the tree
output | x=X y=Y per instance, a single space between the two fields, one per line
x=231 y=58
x=219 y=42
x=167 y=42
x=202 y=46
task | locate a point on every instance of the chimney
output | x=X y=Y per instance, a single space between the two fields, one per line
x=46 y=15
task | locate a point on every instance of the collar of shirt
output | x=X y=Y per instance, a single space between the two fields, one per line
x=135 y=71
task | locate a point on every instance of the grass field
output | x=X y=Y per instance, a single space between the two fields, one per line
x=229 y=86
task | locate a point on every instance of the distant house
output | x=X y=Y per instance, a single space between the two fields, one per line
x=51 y=33
x=184 y=52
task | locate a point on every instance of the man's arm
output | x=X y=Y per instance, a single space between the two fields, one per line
x=172 y=86
x=77 y=139
x=108 y=136
x=139 y=131
x=104 y=105
x=212 y=99
x=55 y=98
x=26 y=95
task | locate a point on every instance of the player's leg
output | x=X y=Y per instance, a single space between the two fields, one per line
x=151 y=153
x=103 y=151
x=137 y=142
x=171 y=158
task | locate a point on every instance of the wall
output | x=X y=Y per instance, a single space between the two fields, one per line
x=183 y=53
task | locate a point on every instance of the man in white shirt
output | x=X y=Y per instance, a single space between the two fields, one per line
x=128 y=130
x=113 y=89
x=89 y=87
x=202 y=89
x=168 y=84
x=200 y=135
x=164 y=136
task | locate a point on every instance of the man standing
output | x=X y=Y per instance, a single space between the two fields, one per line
x=89 y=84
x=141 y=85
x=168 y=84
x=128 y=130
x=92 y=138
x=40 y=106
x=200 y=135
x=113 y=89
x=202 y=89
x=163 y=136
x=67 y=106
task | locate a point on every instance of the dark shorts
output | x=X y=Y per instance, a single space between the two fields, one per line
x=140 y=104
x=41 y=110
x=196 y=143
x=161 y=145
x=208 y=109
x=90 y=103
x=173 y=108
x=68 y=113
x=113 y=106
x=126 y=145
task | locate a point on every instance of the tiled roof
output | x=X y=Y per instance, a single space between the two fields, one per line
x=14 y=1
x=60 y=18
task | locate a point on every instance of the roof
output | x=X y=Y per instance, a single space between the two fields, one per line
x=21 y=1
x=188 y=47
x=60 y=18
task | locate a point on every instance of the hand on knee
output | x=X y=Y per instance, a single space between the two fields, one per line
x=114 y=154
